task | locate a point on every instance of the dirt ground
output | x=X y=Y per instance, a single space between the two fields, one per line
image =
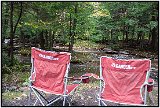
x=86 y=98
x=81 y=97
x=86 y=94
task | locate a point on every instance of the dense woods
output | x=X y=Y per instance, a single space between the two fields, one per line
x=45 y=24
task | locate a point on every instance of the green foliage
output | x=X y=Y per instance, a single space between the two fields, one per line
x=84 y=44
x=5 y=59
x=152 y=24
x=26 y=82
x=18 y=75
x=25 y=51
x=6 y=68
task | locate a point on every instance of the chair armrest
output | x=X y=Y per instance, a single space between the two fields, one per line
x=150 y=84
x=150 y=81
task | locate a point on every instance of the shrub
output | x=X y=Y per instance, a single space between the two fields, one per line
x=5 y=60
x=25 y=51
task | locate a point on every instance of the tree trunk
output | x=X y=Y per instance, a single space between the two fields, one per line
x=126 y=32
x=46 y=39
x=70 y=30
x=149 y=38
x=133 y=30
x=139 y=39
x=111 y=34
x=142 y=41
x=13 y=30
x=154 y=38
x=74 y=28
x=50 y=40
x=42 y=40
x=22 y=37
x=53 y=40
x=154 y=34
x=11 y=34
x=124 y=28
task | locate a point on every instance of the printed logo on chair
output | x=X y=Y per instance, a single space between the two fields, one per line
x=122 y=66
x=48 y=57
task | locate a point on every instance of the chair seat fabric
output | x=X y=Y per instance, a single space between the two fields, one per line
x=70 y=88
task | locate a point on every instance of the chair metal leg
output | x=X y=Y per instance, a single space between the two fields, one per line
x=38 y=97
x=69 y=100
x=145 y=95
x=99 y=104
x=53 y=101
x=35 y=102
x=64 y=101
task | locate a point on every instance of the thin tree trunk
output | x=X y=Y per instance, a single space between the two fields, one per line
x=46 y=39
x=153 y=42
x=11 y=33
x=111 y=34
x=42 y=40
x=70 y=30
x=13 y=30
x=50 y=40
x=126 y=32
x=53 y=40
x=22 y=37
x=74 y=28
x=132 y=35
x=154 y=34
x=142 y=41
x=124 y=28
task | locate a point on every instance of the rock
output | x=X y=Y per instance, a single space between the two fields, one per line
x=123 y=52
x=24 y=95
x=109 y=51
x=18 y=98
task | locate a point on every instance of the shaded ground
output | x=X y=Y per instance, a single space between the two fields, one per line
x=84 y=60
x=84 y=97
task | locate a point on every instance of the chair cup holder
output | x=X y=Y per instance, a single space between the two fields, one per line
x=85 y=79
x=149 y=88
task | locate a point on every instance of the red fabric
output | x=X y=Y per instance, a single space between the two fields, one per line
x=71 y=87
x=86 y=80
x=150 y=87
x=123 y=79
x=50 y=68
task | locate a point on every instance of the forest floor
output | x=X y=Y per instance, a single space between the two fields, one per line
x=85 y=59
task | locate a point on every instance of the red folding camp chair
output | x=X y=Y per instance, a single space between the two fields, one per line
x=124 y=81
x=49 y=74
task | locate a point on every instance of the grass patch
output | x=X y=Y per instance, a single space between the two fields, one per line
x=19 y=75
x=82 y=57
x=25 y=51
x=84 y=44
x=10 y=95
x=155 y=97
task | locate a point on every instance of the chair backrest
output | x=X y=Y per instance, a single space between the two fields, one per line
x=124 y=79
x=50 y=69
